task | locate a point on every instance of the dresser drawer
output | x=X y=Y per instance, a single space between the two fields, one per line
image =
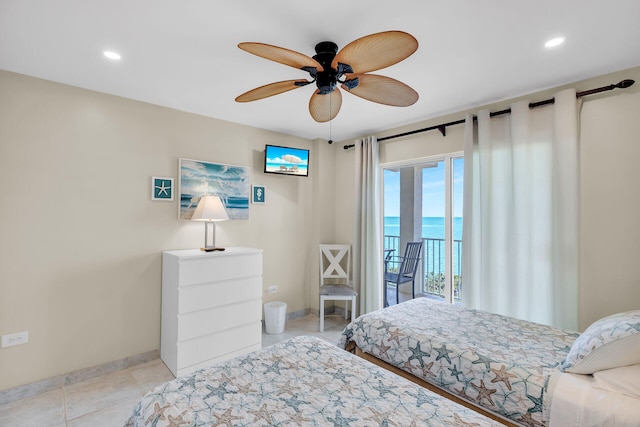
x=217 y=345
x=203 y=322
x=195 y=271
x=199 y=297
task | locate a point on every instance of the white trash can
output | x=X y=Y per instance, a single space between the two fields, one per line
x=275 y=315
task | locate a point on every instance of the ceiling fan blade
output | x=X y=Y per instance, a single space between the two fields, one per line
x=376 y=51
x=281 y=55
x=325 y=107
x=383 y=90
x=270 y=90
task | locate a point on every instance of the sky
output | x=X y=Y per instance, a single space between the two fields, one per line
x=432 y=190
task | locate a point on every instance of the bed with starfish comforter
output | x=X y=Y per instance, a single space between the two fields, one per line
x=302 y=381
x=499 y=364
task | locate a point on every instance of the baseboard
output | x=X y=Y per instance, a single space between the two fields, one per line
x=39 y=387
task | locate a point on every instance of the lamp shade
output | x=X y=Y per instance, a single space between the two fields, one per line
x=210 y=208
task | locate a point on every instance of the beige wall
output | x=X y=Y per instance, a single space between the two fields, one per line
x=80 y=238
x=610 y=188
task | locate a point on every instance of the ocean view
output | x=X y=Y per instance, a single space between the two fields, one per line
x=433 y=251
x=432 y=227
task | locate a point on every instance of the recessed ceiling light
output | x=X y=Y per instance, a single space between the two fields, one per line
x=557 y=41
x=111 y=55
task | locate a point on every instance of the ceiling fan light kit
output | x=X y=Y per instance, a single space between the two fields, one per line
x=348 y=67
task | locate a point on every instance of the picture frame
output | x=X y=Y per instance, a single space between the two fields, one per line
x=258 y=194
x=162 y=188
x=199 y=178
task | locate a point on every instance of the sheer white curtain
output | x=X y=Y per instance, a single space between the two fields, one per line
x=520 y=243
x=367 y=253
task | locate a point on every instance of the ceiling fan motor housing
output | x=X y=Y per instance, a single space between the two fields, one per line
x=326 y=80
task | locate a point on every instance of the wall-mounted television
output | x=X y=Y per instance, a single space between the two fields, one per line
x=286 y=160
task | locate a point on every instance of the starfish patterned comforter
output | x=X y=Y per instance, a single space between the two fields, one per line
x=504 y=365
x=302 y=381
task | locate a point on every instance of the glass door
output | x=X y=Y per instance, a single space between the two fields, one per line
x=423 y=202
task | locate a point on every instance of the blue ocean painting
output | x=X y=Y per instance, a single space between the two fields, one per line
x=231 y=183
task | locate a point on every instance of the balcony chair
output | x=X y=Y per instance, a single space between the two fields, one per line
x=335 y=262
x=404 y=273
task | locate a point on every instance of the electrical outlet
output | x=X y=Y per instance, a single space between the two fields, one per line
x=15 y=339
x=272 y=289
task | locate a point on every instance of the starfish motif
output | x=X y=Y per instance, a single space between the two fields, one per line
x=461 y=422
x=443 y=353
x=162 y=189
x=158 y=414
x=339 y=420
x=225 y=418
x=503 y=375
x=418 y=354
x=384 y=389
x=484 y=393
x=527 y=419
x=378 y=418
x=261 y=414
x=298 y=419
x=422 y=397
x=176 y=421
x=426 y=371
x=294 y=402
x=454 y=372
x=383 y=349
x=272 y=367
x=537 y=403
x=218 y=391
x=288 y=388
x=395 y=335
x=483 y=359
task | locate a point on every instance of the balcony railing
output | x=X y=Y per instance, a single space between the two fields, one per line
x=433 y=265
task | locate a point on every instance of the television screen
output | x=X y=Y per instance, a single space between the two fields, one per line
x=286 y=160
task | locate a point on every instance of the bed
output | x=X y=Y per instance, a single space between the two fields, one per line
x=302 y=381
x=500 y=366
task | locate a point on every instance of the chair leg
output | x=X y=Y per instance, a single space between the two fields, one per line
x=397 y=293
x=346 y=309
x=353 y=309
x=413 y=289
x=321 y=314
x=384 y=297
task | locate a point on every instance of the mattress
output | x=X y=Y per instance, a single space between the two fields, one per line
x=302 y=381
x=504 y=365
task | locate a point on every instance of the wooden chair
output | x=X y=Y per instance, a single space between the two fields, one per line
x=335 y=284
x=404 y=273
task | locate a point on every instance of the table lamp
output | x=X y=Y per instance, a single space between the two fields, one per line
x=210 y=209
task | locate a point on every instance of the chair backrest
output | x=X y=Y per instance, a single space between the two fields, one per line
x=411 y=259
x=335 y=262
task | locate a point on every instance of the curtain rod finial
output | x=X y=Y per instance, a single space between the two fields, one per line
x=625 y=83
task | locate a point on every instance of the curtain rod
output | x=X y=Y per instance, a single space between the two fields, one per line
x=443 y=126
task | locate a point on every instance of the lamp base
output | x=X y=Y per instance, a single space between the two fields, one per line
x=211 y=249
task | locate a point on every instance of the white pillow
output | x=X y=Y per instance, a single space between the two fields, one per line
x=610 y=342
x=625 y=380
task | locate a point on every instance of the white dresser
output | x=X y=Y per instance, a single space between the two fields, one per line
x=211 y=306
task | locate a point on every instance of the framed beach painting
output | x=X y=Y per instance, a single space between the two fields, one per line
x=199 y=178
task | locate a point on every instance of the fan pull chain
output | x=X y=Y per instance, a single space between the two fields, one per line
x=330 y=103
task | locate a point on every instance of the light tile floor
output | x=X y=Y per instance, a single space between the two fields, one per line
x=108 y=400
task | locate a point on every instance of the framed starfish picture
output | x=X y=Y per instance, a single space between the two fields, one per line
x=161 y=188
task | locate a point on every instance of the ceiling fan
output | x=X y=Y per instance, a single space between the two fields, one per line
x=351 y=64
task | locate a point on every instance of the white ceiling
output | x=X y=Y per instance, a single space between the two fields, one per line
x=184 y=55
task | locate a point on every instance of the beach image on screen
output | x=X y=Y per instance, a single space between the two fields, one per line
x=291 y=161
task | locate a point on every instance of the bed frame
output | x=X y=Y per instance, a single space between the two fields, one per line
x=353 y=348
